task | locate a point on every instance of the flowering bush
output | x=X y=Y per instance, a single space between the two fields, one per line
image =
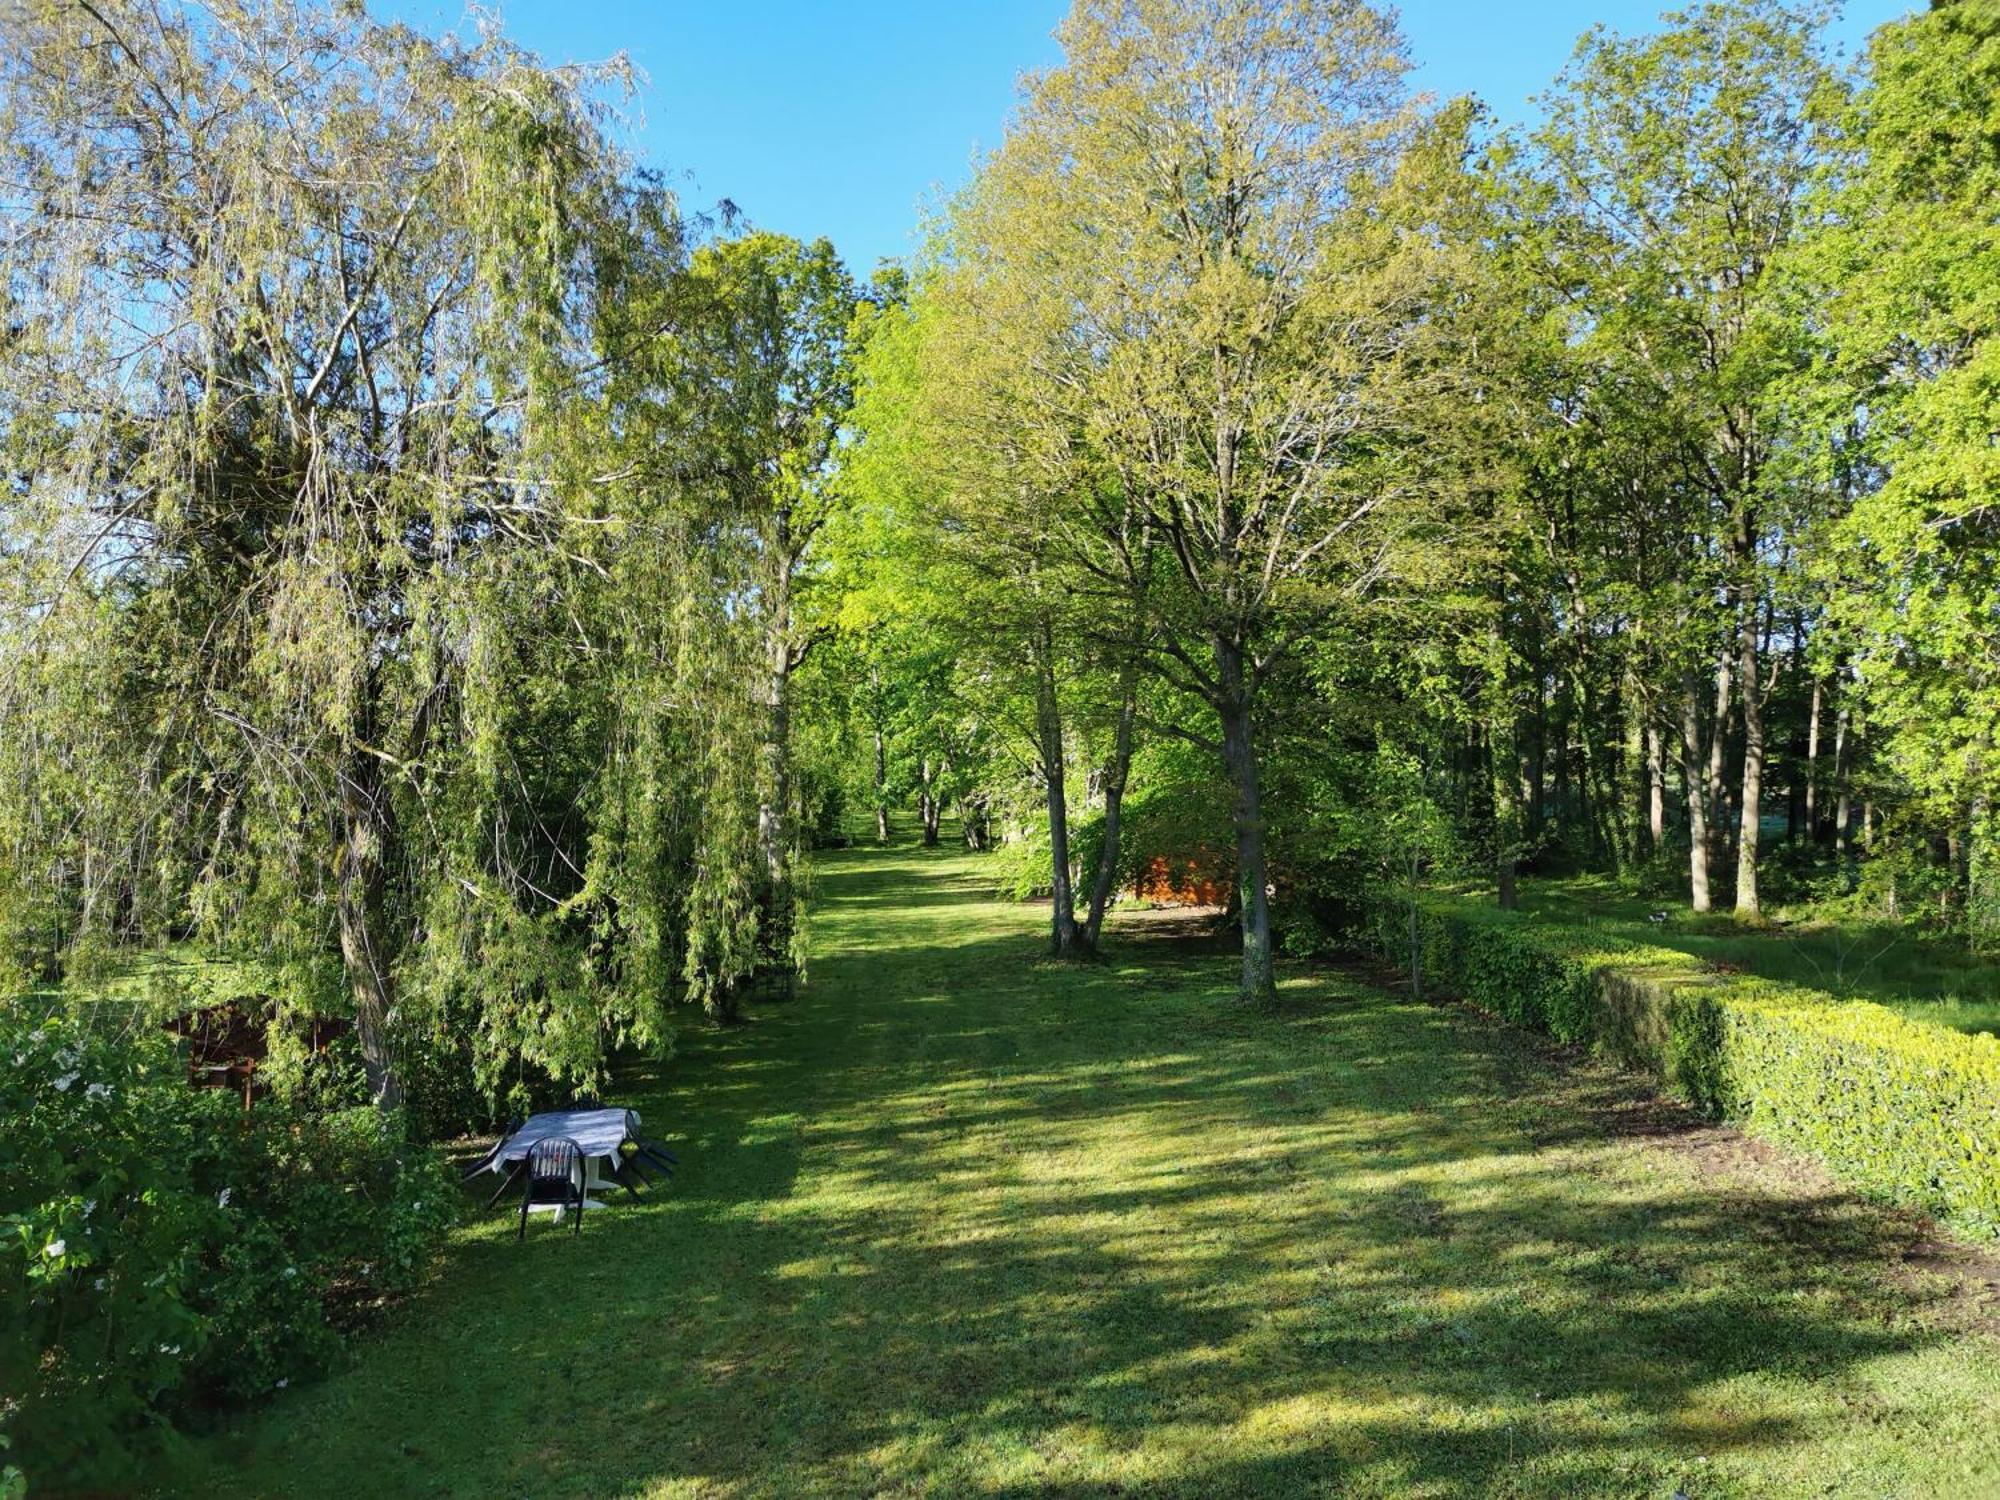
x=160 y=1249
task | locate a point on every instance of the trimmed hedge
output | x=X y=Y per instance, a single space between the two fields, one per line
x=1900 y=1109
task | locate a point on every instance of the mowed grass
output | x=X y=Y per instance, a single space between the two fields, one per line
x=1927 y=976
x=957 y=1222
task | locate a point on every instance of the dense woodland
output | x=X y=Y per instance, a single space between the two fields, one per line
x=456 y=584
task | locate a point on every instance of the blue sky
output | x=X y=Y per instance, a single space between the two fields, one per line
x=841 y=118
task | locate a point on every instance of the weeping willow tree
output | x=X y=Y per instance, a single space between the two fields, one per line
x=348 y=617
x=759 y=359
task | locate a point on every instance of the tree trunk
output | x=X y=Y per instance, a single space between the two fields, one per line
x=1604 y=810
x=1239 y=751
x=1116 y=774
x=1750 y=820
x=1503 y=770
x=1697 y=798
x=1718 y=742
x=1982 y=878
x=1656 y=785
x=773 y=836
x=365 y=833
x=1065 y=940
x=881 y=789
x=1538 y=783
x=972 y=818
x=1559 y=792
x=1842 y=753
x=1812 y=762
x=930 y=805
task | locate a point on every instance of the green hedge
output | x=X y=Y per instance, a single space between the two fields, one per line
x=1901 y=1109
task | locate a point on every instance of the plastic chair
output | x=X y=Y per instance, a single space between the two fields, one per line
x=553 y=1174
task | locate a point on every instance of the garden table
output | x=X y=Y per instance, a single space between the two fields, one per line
x=598 y=1134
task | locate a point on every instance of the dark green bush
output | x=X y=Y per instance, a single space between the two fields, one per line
x=162 y=1251
x=1902 y=1109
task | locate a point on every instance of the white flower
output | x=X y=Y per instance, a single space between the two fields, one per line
x=170 y=1348
x=291 y=1270
x=56 y=1249
x=89 y=1207
x=98 y=1091
x=283 y=1383
x=98 y=1284
x=66 y=1080
x=222 y=1199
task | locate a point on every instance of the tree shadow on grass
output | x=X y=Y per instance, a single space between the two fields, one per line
x=963 y=1224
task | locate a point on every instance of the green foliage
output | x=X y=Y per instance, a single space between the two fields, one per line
x=1176 y=818
x=412 y=607
x=1905 y=297
x=161 y=1250
x=1902 y=1109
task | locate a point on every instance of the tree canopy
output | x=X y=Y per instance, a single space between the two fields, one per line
x=437 y=563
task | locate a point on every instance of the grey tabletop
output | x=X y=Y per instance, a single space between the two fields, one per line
x=597 y=1132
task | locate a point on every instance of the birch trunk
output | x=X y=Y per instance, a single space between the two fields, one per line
x=1750 y=821
x=1697 y=799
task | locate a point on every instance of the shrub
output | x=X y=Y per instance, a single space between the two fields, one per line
x=160 y=1250
x=1901 y=1109
x=1019 y=866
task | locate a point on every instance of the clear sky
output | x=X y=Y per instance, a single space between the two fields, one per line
x=816 y=117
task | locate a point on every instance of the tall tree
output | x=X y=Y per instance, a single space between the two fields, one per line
x=1903 y=278
x=767 y=341
x=298 y=294
x=966 y=479
x=1680 y=162
x=1180 y=234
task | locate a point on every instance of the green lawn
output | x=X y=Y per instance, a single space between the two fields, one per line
x=152 y=983
x=955 y=1222
x=1926 y=976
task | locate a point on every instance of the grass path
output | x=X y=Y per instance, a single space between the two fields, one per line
x=1927 y=976
x=956 y=1222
